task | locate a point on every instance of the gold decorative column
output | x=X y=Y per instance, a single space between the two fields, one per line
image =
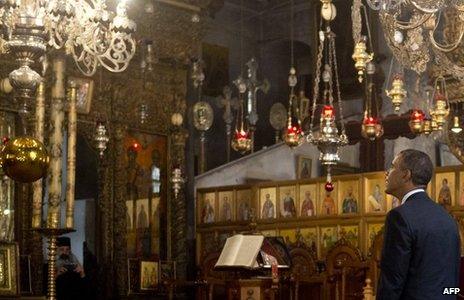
x=71 y=161
x=39 y=135
x=56 y=142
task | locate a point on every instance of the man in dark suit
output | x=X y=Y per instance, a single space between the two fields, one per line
x=421 y=251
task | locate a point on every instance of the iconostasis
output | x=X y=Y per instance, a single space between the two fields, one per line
x=303 y=211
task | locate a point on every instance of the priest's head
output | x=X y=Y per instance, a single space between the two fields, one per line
x=410 y=169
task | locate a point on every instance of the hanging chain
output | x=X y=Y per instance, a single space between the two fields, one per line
x=317 y=81
x=337 y=82
x=356 y=20
x=292 y=58
x=241 y=37
x=369 y=36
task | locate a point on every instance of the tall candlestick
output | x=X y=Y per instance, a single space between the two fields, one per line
x=56 y=142
x=39 y=134
x=71 y=169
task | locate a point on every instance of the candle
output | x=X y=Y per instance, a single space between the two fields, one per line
x=56 y=141
x=71 y=162
x=39 y=134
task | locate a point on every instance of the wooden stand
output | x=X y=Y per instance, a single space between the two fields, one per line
x=252 y=289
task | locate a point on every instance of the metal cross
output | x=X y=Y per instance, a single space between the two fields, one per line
x=228 y=103
x=253 y=86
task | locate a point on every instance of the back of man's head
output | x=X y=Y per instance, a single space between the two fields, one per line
x=419 y=164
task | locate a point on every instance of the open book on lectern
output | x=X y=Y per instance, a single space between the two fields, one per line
x=253 y=252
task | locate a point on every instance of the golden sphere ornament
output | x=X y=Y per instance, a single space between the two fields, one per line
x=24 y=159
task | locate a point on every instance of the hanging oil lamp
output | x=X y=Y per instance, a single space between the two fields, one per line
x=327 y=138
x=440 y=110
x=416 y=122
x=371 y=127
x=427 y=128
x=398 y=92
x=241 y=141
x=361 y=57
x=293 y=135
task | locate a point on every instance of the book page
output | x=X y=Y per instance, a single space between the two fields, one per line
x=230 y=250
x=248 y=251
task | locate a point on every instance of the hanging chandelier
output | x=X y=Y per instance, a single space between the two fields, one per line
x=327 y=138
x=422 y=33
x=87 y=31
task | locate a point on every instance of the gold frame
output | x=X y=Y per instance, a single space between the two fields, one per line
x=367 y=179
x=85 y=107
x=231 y=198
x=280 y=197
x=156 y=268
x=438 y=178
x=9 y=257
x=362 y=219
x=357 y=193
x=299 y=168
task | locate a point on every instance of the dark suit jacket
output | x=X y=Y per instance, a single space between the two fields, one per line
x=421 y=251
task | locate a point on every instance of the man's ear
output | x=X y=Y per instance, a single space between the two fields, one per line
x=407 y=175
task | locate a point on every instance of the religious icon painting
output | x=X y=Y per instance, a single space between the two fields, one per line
x=226 y=206
x=129 y=215
x=374 y=193
x=148 y=275
x=309 y=237
x=304 y=167
x=445 y=184
x=141 y=214
x=348 y=196
x=287 y=201
x=155 y=224
x=289 y=235
x=350 y=234
x=243 y=205
x=327 y=201
x=308 y=200
x=460 y=200
x=327 y=238
x=372 y=230
x=208 y=208
x=267 y=203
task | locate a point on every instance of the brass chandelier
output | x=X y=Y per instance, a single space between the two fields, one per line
x=86 y=29
x=421 y=33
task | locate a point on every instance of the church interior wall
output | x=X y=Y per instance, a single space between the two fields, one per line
x=278 y=162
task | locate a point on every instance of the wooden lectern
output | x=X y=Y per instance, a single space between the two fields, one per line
x=246 y=258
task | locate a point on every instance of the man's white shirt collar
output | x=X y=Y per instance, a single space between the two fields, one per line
x=410 y=193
